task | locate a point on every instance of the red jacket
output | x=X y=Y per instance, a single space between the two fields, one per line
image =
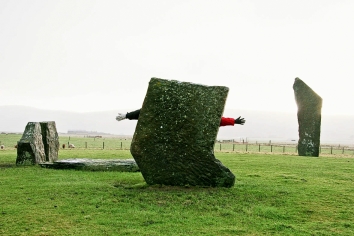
x=227 y=121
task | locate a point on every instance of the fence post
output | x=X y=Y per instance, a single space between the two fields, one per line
x=259 y=148
x=233 y=147
x=331 y=149
x=103 y=146
x=271 y=148
x=246 y=147
x=343 y=151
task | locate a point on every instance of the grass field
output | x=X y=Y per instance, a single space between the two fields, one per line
x=273 y=195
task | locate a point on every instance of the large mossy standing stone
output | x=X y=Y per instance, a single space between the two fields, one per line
x=173 y=143
x=30 y=148
x=309 y=118
x=50 y=140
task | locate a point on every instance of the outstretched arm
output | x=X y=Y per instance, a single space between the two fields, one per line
x=134 y=115
x=225 y=121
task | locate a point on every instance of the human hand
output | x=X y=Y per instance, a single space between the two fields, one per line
x=240 y=120
x=120 y=117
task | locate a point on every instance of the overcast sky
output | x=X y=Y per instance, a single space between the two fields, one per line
x=100 y=55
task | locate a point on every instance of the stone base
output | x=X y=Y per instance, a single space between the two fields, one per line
x=122 y=165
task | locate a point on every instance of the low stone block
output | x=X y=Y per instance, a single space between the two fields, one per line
x=309 y=118
x=121 y=165
x=173 y=143
x=30 y=148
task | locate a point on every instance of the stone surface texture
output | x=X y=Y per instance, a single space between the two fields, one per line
x=50 y=140
x=173 y=143
x=30 y=148
x=309 y=118
x=121 y=165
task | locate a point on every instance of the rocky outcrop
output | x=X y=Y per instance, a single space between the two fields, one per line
x=175 y=134
x=309 y=118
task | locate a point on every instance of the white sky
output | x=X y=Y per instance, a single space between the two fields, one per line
x=100 y=55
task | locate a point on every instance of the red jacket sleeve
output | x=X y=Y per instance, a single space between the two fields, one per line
x=227 y=121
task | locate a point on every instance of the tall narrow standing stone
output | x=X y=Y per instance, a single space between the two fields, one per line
x=50 y=140
x=309 y=117
x=173 y=143
x=30 y=149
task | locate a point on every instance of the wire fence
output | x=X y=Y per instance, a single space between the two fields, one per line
x=124 y=144
x=99 y=142
x=278 y=148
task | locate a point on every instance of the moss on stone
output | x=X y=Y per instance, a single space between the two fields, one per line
x=309 y=106
x=175 y=134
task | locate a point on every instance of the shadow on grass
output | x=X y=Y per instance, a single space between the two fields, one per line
x=164 y=188
x=7 y=165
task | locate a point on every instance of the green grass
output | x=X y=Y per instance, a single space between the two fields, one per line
x=9 y=140
x=273 y=195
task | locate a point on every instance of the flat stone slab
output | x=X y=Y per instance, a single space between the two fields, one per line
x=122 y=165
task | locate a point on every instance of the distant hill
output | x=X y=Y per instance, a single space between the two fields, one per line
x=260 y=126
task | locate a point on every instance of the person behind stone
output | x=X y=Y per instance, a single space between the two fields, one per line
x=225 y=121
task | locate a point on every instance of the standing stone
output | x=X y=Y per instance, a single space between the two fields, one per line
x=173 y=143
x=309 y=117
x=50 y=140
x=30 y=148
